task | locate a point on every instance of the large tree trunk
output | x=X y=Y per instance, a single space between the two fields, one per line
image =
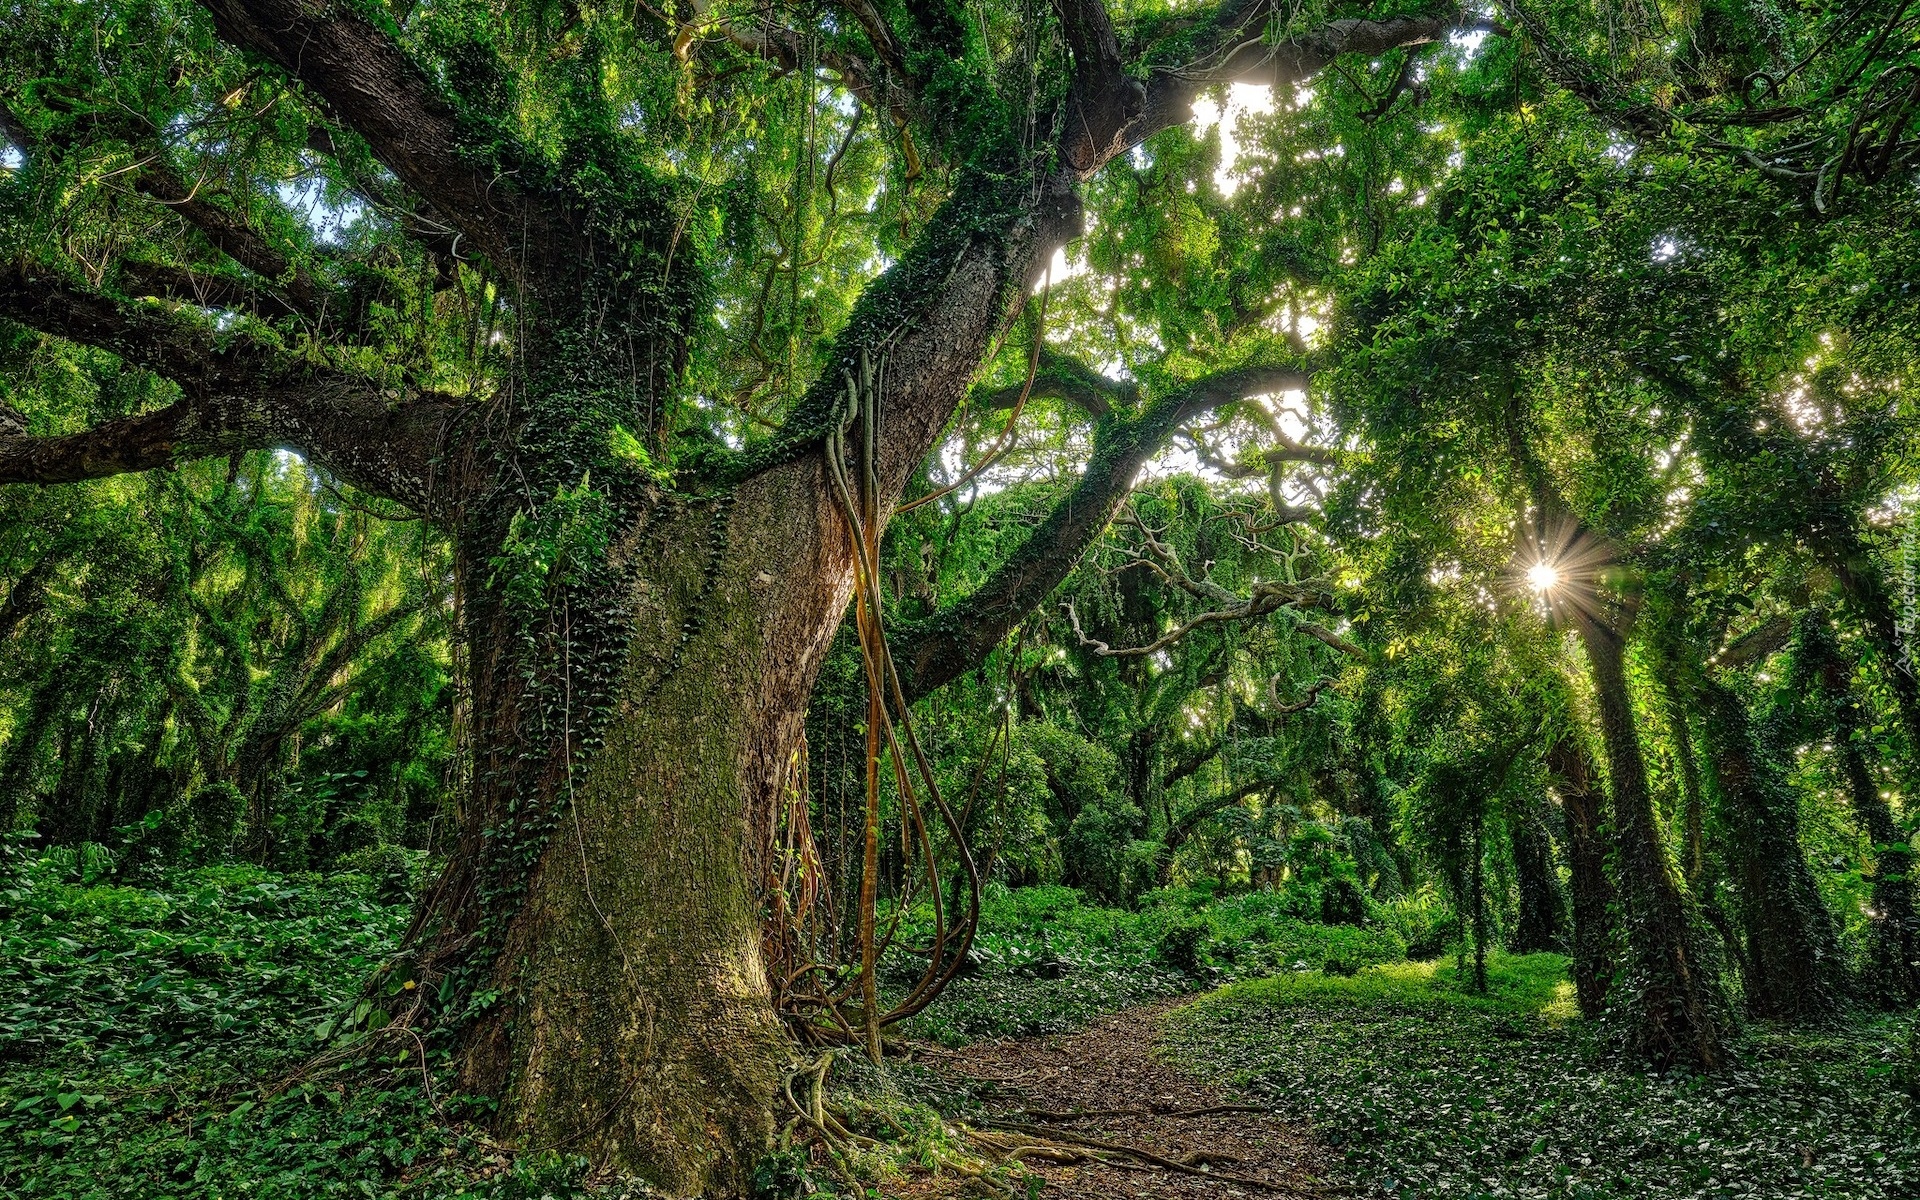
x=1841 y=552
x=1664 y=992
x=1891 y=974
x=634 y=1022
x=634 y=724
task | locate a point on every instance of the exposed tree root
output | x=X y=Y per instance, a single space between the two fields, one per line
x=1047 y=1114
x=1047 y=1142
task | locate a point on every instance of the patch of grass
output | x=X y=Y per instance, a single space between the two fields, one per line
x=1532 y=985
x=1432 y=1091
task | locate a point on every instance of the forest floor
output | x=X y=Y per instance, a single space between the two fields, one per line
x=1396 y=1081
x=1110 y=1083
x=159 y=1042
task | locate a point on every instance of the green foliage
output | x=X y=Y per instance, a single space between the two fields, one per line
x=218 y=962
x=1545 y=316
x=1424 y=922
x=1430 y=1090
x=1323 y=882
x=1047 y=959
x=217 y=809
x=1090 y=821
x=161 y=1042
x=1179 y=947
x=235 y=661
x=1332 y=948
x=556 y=546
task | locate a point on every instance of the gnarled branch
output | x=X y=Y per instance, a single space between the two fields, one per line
x=180 y=431
x=1282 y=708
x=1059 y=376
x=1756 y=643
x=1103 y=101
x=236 y=395
x=233 y=236
x=375 y=88
x=1230 y=45
x=289 y=288
x=149 y=336
x=958 y=638
x=203 y=289
x=1265 y=596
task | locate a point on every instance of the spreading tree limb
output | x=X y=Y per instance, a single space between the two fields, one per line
x=233 y=236
x=1265 y=596
x=238 y=394
x=375 y=88
x=958 y=638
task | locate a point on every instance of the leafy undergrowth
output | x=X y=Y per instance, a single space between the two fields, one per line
x=1047 y=961
x=151 y=1042
x=1433 y=1092
x=159 y=1042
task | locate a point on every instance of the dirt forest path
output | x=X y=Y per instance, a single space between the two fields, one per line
x=1108 y=1084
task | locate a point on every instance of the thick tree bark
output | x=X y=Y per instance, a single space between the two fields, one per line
x=1866 y=594
x=603 y=904
x=1792 y=952
x=241 y=394
x=634 y=1021
x=1669 y=1002
x=1583 y=805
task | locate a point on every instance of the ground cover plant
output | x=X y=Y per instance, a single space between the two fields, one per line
x=168 y=1041
x=1430 y=1089
x=182 y=1034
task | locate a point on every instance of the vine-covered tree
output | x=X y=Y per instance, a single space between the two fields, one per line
x=486 y=262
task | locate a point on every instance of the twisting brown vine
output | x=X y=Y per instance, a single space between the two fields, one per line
x=824 y=998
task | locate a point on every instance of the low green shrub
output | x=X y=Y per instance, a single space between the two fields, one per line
x=396 y=874
x=1303 y=947
x=1423 y=922
x=1181 y=945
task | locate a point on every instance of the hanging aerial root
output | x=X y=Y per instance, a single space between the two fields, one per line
x=890 y=734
